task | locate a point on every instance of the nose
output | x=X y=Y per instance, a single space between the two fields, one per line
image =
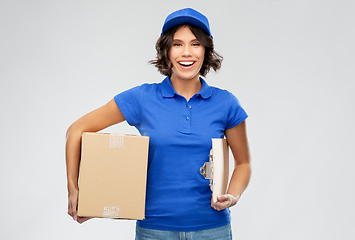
x=186 y=51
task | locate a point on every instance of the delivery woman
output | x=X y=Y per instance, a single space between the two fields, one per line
x=180 y=115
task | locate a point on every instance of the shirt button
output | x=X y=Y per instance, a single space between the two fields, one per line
x=189 y=106
x=187 y=118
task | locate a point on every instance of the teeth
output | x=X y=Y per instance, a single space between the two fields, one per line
x=186 y=63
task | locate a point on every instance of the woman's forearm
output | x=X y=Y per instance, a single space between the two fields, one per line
x=94 y=121
x=72 y=153
x=239 y=180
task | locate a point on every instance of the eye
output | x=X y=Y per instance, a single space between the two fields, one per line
x=196 y=44
x=176 y=44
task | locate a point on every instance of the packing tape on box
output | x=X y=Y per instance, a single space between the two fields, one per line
x=116 y=141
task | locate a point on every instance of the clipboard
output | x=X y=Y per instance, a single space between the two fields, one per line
x=217 y=169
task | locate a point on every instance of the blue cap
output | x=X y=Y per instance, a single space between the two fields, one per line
x=187 y=15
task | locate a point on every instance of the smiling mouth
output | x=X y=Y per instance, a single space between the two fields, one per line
x=187 y=63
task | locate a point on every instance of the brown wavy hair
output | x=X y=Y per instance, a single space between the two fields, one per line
x=164 y=43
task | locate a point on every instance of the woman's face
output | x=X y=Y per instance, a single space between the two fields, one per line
x=186 y=54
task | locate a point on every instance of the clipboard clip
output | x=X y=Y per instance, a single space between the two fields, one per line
x=207 y=170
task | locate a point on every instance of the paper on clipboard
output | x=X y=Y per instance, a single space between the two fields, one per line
x=217 y=169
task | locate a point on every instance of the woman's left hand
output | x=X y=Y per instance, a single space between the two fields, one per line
x=224 y=201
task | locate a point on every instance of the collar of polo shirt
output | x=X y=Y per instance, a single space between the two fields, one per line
x=168 y=90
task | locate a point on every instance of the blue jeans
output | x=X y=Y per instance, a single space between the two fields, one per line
x=220 y=233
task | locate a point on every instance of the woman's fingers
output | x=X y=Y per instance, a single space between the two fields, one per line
x=223 y=202
x=82 y=219
x=72 y=208
x=73 y=204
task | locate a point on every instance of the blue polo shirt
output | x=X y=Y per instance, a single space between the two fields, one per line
x=178 y=197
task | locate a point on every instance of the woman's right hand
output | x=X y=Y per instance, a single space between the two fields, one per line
x=72 y=207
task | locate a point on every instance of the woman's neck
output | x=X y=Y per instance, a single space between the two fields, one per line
x=186 y=88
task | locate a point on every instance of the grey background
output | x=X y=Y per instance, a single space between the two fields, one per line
x=291 y=64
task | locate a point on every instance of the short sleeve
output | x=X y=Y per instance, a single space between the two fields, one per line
x=129 y=102
x=236 y=113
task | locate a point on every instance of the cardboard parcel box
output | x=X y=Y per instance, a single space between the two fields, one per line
x=113 y=175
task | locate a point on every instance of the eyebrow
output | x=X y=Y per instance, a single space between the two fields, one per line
x=193 y=40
